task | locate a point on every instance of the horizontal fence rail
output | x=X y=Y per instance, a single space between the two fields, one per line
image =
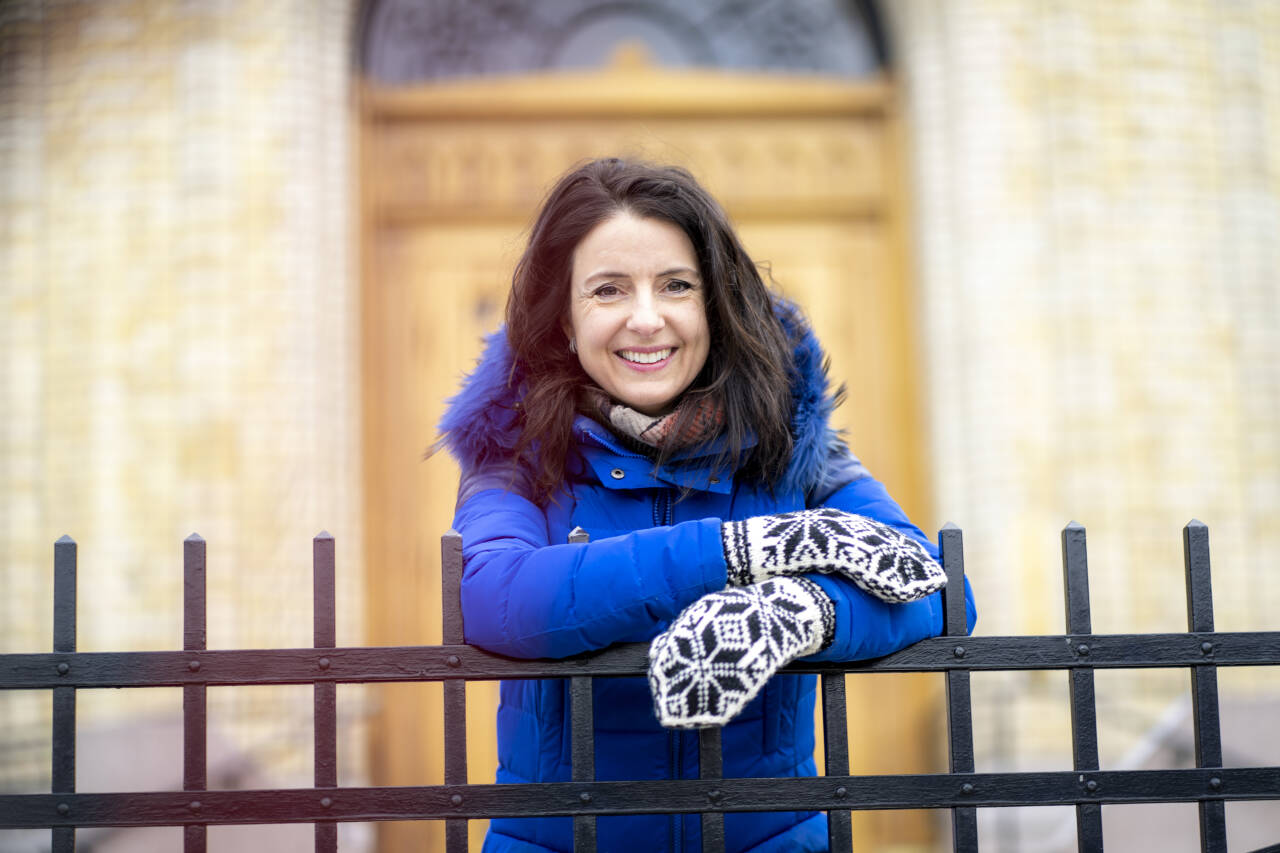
x=324 y=665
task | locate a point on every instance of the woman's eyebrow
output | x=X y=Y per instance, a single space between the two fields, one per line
x=605 y=274
x=616 y=274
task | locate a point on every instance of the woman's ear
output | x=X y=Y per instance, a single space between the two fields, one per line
x=567 y=328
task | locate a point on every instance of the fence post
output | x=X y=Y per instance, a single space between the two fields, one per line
x=964 y=820
x=63 y=838
x=455 y=690
x=1084 y=715
x=194 y=708
x=835 y=737
x=711 y=767
x=582 y=740
x=324 y=631
x=1204 y=683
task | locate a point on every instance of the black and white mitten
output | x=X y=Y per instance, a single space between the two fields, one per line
x=717 y=654
x=889 y=565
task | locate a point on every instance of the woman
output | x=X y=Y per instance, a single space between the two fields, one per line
x=650 y=389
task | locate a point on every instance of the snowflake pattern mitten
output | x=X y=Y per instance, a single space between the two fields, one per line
x=717 y=654
x=883 y=562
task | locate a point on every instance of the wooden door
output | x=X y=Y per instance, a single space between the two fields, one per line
x=451 y=177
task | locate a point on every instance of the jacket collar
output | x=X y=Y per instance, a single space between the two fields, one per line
x=617 y=466
x=482 y=423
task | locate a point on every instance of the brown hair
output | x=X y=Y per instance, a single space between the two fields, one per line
x=748 y=369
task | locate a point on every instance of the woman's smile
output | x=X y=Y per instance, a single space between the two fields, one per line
x=647 y=359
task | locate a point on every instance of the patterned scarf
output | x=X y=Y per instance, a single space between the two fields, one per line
x=651 y=431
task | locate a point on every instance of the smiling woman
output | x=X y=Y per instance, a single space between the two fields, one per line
x=650 y=389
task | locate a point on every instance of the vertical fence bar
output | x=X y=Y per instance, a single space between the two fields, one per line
x=63 y=838
x=711 y=767
x=582 y=757
x=582 y=740
x=835 y=742
x=455 y=690
x=1084 y=718
x=1204 y=683
x=324 y=629
x=964 y=820
x=194 y=708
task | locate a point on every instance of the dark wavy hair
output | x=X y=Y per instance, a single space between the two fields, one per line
x=749 y=366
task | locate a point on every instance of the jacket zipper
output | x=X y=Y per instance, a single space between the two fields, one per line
x=663 y=514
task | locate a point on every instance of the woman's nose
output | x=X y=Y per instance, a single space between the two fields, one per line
x=645 y=319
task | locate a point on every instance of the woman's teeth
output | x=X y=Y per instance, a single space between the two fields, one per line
x=646 y=357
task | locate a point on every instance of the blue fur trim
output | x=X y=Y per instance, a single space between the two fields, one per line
x=481 y=421
x=813 y=403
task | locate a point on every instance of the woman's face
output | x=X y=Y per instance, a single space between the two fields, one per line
x=637 y=311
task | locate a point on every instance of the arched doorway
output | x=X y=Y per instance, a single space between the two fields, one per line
x=457 y=149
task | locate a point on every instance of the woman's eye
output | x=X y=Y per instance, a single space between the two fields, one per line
x=679 y=285
x=606 y=291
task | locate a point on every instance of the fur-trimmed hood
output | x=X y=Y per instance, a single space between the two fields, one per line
x=482 y=421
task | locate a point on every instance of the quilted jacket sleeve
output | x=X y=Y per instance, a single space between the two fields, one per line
x=525 y=597
x=867 y=627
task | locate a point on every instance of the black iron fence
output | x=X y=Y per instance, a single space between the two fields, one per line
x=1201 y=650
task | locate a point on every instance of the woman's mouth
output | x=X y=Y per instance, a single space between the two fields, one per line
x=646 y=358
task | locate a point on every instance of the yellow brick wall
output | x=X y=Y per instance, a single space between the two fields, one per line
x=178 y=338
x=1097 y=229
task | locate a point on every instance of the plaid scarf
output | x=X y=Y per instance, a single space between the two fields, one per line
x=659 y=431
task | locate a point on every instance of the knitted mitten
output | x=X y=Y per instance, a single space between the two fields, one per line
x=879 y=559
x=714 y=658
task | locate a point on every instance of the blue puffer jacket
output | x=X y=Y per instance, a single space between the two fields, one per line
x=527 y=593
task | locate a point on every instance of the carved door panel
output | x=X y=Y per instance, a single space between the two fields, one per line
x=451 y=177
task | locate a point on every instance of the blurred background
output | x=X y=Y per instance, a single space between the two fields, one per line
x=249 y=248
